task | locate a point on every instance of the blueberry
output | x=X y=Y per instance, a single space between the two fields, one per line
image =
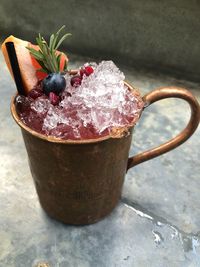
x=55 y=83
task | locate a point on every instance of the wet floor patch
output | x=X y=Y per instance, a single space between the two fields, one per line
x=165 y=235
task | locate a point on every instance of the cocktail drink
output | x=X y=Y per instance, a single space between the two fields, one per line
x=77 y=128
x=93 y=106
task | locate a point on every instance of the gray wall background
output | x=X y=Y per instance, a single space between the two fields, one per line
x=163 y=35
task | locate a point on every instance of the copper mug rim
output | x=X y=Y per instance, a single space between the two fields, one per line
x=53 y=139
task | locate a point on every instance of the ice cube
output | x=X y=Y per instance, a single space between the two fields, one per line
x=52 y=119
x=41 y=104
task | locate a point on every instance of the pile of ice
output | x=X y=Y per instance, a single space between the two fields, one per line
x=101 y=102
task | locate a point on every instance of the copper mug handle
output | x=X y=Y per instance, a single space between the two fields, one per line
x=156 y=95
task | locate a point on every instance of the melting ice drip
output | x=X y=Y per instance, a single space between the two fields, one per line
x=100 y=104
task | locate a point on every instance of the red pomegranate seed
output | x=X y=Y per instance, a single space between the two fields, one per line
x=88 y=70
x=35 y=93
x=76 y=80
x=54 y=98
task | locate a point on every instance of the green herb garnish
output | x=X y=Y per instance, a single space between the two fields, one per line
x=47 y=56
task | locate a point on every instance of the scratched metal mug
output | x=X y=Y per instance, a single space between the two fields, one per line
x=80 y=182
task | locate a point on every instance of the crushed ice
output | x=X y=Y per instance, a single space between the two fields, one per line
x=101 y=103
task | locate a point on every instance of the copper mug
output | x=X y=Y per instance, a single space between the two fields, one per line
x=80 y=182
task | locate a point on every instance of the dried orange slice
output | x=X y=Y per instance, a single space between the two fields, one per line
x=27 y=64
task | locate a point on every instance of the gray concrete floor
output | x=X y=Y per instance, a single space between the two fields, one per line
x=157 y=221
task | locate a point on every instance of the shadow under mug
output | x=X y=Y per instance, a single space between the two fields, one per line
x=80 y=182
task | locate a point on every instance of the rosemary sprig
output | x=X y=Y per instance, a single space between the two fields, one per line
x=47 y=56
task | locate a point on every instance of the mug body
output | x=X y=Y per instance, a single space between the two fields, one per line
x=78 y=183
